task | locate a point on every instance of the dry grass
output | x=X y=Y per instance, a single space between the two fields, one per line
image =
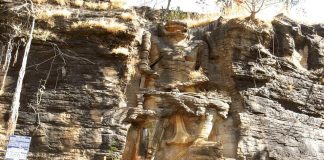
x=131 y=67
x=256 y=24
x=39 y=1
x=196 y=74
x=77 y=3
x=117 y=4
x=49 y=14
x=61 y=2
x=200 y=21
x=128 y=16
x=97 y=6
x=132 y=61
x=290 y=87
x=192 y=23
x=108 y=25
x=44 y=34
x=121 y=50
x=113 y=4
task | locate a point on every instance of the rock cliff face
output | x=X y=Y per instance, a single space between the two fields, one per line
x=278 y=84
x=82 y=79
x=73 y=98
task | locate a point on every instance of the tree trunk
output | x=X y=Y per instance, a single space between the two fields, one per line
x=168 y=6
x=252 y=16
x=16 y=98
x=6 y=64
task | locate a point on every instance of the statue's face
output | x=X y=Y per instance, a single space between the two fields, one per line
x=175 y=29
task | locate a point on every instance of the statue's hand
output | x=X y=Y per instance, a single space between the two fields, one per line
x=171 y=86
x=137 y=114
x=145 y=69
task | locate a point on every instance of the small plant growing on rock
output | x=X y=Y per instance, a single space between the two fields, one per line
x=44 y=35
x=196 y=74
x=112 y=150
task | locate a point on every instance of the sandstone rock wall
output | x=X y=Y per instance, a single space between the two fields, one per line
x=73 y=99
x=278 y=114
x=272 y=72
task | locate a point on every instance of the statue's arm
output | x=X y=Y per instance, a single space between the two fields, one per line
x=145 y=52
x=212 y=47
x=202 y=66
x=144 y=64
x=203 y=57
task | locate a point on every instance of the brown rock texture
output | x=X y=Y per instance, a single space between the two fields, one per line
x=276 y=70
x=73 y=99
x=81 y=81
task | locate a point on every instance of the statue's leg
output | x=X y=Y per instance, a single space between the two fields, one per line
x=156 y=138
x=131 y=148
x=143 y=145
x=206 y=127
x=181 y=134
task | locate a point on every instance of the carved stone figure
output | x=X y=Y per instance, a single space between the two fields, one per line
x=174 y=118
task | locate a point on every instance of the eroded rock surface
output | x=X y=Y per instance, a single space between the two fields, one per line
x=280 y=85
x=73 y=98
x=259 y=89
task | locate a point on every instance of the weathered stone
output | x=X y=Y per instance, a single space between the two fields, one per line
x=258 y=94
x=169 y=96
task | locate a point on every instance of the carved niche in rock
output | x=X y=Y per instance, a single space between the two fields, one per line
x=174 y=117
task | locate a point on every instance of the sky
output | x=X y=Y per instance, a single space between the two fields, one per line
x=307 y=11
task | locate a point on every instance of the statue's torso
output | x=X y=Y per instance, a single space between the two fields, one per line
x=176 y=61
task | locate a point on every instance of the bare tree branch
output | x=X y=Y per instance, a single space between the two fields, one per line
x=248 y=5
x=260 y=6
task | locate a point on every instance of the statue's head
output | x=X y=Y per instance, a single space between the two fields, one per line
x=174 y=29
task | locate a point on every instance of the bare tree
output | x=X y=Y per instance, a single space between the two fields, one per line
x=224 y=5
x=288 y=4
x=254 y=6
x=168 y=6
